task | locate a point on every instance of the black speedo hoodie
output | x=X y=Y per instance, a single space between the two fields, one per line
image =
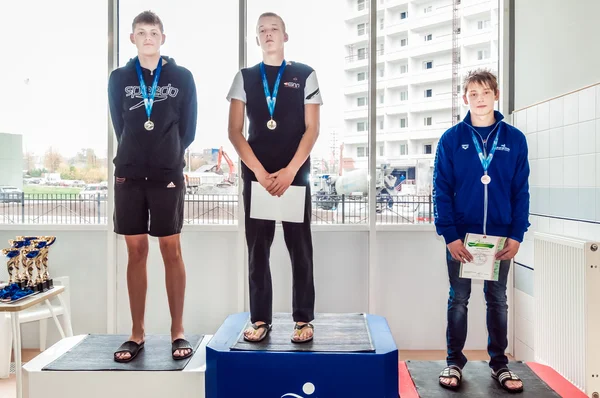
x=157 y=154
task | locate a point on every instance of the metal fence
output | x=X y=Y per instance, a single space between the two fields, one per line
x=212 y=209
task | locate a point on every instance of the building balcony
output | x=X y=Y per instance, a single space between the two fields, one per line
x=397 y=108
x=438 y=45
x=398 y=53
x=477 y=37
x=396 y=81
x=356 y=61
x=443 y=101
x=436 y=74
x=360 y=137
x=474 y=7
x=430 y=132
x=396 y=134
x=423 y=21
x=397 y=28
x=356 y=88
x=354 y=15
x=490 y=63
x=356 y=113
x=353 y=39
x=391 y=4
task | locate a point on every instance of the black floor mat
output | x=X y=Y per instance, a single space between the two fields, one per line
x=96 y=353
x=477 y=381
x=333 y=333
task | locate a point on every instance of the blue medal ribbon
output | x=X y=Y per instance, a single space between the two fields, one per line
x=148 y=98
x=485 y=161
x=271 y=99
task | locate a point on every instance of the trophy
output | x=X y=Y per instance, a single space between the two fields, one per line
x=18 y=244
x=41 y=263
x=12 y=264
x=29 y=260
x=16 y=290
x=49 y=241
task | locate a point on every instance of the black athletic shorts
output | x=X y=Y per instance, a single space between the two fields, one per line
x=148 y=207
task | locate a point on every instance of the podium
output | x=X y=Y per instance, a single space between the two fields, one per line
x=301 y=373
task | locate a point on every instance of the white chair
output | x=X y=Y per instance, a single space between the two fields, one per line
x=41 y=313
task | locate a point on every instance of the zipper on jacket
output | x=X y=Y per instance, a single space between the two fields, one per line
x=485 y=187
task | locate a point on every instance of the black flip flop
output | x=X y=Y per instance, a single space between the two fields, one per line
x=451 y=372
x=130 y=347
x=265 y=326
x=181 y=344
x=504 y=375
x=298 y=328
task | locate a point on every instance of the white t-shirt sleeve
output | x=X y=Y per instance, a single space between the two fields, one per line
x=312 y=94
x=237 y=88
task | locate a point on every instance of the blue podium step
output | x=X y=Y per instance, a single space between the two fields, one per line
x=301 y=374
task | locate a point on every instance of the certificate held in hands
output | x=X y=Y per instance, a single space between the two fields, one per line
x=483 y=249
x=289 y=207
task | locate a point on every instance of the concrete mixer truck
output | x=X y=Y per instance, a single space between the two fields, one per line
x=354 y=185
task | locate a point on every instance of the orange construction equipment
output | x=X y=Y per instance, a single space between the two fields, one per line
x=223 y=154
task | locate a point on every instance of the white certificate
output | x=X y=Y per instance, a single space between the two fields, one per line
x=289 y=207
x=483 y=249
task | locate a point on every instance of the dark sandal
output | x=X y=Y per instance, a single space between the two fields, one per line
x=130 y=347
x=265 y=326
x=451 y=372
x=504 y=375
x=181 y=344
x=298 y=331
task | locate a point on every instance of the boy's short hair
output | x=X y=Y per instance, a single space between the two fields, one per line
x=271 y=14
x=147 y=17
x=483 y=77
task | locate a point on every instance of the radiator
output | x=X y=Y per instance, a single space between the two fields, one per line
x=567 y=309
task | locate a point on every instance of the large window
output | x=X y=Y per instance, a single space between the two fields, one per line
x=53 y=120
x=211 y=161
x=342 y=61
x=60 y=144
x=419 y=91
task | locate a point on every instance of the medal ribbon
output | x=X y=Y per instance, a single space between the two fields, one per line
x=148 y=98
x=271 y=99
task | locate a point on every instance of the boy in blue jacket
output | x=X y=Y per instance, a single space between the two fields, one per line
x=480 y=184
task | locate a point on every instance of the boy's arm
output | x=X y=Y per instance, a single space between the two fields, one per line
x=237 y=107
x=443 y=192
x=520 y=196
x=189 y=113
x=115 y=103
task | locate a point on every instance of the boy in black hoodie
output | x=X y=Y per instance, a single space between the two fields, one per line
x=153 y=107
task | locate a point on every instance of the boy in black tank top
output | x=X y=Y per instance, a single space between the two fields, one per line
x=281 y=135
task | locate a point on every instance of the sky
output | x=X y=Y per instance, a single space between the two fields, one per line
x=55 y=80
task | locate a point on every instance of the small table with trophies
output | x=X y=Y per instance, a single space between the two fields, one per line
x=29 y=284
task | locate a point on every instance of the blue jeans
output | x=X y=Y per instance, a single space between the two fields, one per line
x=497 y=314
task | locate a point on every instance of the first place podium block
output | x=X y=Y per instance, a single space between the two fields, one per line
x=300 y=372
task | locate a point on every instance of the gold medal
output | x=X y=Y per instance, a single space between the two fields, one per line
x=271 y=124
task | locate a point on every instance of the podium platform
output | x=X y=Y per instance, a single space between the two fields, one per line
x=300 y=374
x=38 y=383
x=419 y=379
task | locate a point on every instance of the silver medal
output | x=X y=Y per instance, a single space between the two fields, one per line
x=149 y=125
